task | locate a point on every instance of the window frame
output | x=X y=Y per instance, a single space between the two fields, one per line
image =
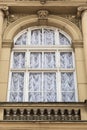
x=57 y=48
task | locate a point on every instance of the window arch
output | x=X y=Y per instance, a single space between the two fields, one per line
x=42 y=67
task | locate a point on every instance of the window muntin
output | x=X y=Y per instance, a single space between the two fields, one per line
x=47 y=65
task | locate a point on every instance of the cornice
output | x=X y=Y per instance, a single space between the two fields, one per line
x=32 y=6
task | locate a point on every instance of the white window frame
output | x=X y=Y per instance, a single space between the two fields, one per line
x=43 y=48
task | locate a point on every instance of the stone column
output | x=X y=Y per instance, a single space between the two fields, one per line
x=1 y=28
x=3 y=13
x=82 y=11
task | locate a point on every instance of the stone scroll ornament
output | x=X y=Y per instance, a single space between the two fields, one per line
x=5 y=10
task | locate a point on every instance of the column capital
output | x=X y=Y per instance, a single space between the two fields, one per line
x=4 y=10
x=80 y=10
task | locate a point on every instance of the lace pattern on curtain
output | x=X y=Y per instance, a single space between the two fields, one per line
x=68 y=87
x=17 y=86
x=42 y=58
x=19 y=60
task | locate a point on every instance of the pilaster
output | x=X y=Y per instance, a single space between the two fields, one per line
x=82 y=12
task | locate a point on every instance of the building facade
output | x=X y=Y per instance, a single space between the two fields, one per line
x=43 y=64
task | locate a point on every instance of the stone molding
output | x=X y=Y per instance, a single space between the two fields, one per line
x=72 y=18
x=80 y=10
x=28 y=21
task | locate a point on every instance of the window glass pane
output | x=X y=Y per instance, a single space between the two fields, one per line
x=21 y=40
x=16 y=97
x=35 y=97
x=18 y=60
x=20 y=96
x=17 y=86
x=36 y=37
x=68 y=86
x=49 y=60
x=67 y=81
x=49 y=97
x=35 y=82
x=49 y=37
x=63 y=40
x=49 y=87
x=13 y=97
x=66 y=60
x=35 y=86
x=35 y=59
x=68 y=96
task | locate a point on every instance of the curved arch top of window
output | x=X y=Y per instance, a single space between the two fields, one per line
x=42 y=74
x=42 y=36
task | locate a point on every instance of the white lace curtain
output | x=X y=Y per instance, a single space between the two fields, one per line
x=42 y=37
x=42 y=86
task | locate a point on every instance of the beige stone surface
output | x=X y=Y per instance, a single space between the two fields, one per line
x=5 y=54
x=80 y=72
x=82 y=92
x=79 y=54
x=84 y=114
x=3 y=92
x=43 y=125
x=4 y=69
x=84 y=30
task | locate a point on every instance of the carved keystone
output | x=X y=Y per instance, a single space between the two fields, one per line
x=42 y=14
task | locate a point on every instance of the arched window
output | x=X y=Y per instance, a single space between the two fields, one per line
x=42 y=67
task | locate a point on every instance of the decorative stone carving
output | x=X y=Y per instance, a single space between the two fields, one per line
x=14 y=17
x=73 y=18
x=80 y=10
x=42 y=115
x=42 y=1
x=42 y=14
x=5 y=10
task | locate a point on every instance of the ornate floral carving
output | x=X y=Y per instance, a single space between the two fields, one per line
x=14 y=17
x=73 y=18
x=42 y=14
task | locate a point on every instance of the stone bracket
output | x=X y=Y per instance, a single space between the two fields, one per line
x=5 y=9
x=80 y=10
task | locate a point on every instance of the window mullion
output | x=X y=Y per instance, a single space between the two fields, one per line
x=26 y=83
x=28 y=37
x=28 y=59
x=9 y=86
x=42 y=73
x=59 y=88
x=12 y=61
x=42 y=36
x=73 y=57
x=42 y=86
x=56 y=37
x=58 y=76
x=75 y=82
